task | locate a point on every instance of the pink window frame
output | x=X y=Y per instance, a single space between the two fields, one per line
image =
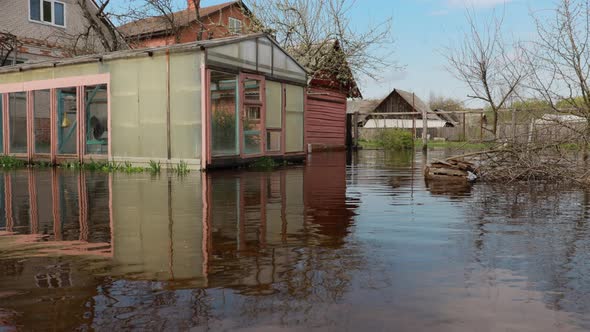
x=28 y=87
x=304 y=150
x=31 y=115
x=6 y=122
x=206 y=153
x=280 y=130
x=82 y=119
x=243 y=104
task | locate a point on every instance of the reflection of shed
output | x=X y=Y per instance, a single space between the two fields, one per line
x=208 y=103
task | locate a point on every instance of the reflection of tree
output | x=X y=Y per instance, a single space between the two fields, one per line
x=539 y=231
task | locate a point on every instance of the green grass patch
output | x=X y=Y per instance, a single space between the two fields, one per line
x=572 y=146
x=8 y=162
x=104 y=166
x=264 y=163
x=457 y=145
x=370 y=145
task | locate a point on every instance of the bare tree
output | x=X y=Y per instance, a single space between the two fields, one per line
x=9 y=45
x=319 y=34
x=164 y=11
x=99 y=26
x=96 y=34
x=445 y=103
x=487 y=64
x=559 y=61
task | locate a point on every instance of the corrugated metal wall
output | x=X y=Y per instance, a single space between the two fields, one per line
x=325 y=118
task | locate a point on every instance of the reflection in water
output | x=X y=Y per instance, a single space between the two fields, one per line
x=326 y=246
x=540 y=231
x=136 y=242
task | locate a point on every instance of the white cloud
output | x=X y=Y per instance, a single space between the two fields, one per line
x=476 y=3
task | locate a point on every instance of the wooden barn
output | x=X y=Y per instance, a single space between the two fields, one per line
x=327 y=94
x=400 y=101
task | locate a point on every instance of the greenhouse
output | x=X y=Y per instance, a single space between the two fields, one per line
x=212 y=103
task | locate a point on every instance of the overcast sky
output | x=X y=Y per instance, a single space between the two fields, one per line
x=422 y=29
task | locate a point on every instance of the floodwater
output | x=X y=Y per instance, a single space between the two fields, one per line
x=357 y=242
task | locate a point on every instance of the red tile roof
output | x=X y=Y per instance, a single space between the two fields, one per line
x=159 y=24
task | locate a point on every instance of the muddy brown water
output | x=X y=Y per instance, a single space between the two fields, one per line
x=348 y=242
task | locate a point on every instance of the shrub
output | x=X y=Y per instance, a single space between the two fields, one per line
x=396 y=139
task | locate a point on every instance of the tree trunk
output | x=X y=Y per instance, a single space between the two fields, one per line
x=585 y=142
x=495 y=127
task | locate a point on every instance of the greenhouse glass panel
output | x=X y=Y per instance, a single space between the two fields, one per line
x=17 y=109
x=96 y=119
x=224 y=111
x=42 y=121
x=67 y=124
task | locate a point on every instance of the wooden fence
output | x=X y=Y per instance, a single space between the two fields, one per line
x=474 y=127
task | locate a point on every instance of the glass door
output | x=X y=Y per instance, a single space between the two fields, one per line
x=253 y=111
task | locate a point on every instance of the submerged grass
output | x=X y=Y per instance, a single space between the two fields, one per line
x=155 y=167
x=105 y=166
x=8 y=162
x=182 y=168
x=264 y=163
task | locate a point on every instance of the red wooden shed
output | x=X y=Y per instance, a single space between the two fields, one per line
x=325 y=115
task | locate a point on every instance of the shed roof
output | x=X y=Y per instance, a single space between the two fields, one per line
x=362 y=105
x=413 y=100
x=182 y=18
x=326 y=61
x=446 y=116
x=176 y=48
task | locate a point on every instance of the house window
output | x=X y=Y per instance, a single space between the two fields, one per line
x=48 y=11
x=235 y=26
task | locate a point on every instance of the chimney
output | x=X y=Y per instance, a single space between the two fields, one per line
x=190 y=4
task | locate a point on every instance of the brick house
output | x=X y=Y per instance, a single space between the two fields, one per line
x=223 y=20
x=36 y=30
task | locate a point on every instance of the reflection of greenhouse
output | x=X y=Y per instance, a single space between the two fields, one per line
x=151 y=104
x=197 y=232
x=152 y=241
